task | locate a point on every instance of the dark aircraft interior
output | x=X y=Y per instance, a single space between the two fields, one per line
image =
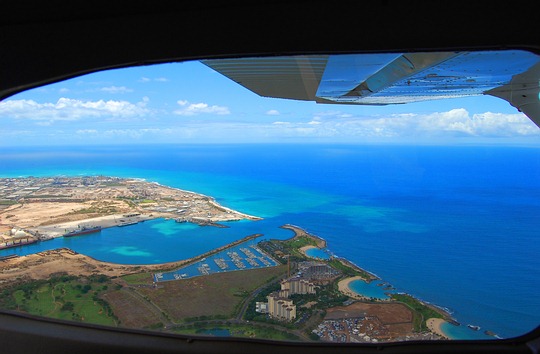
x=46 y=42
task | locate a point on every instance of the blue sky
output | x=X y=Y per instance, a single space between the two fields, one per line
x=190 y=103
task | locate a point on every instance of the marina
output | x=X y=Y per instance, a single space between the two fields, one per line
x=241 y=256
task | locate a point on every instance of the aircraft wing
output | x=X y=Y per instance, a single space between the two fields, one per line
x=391 y=78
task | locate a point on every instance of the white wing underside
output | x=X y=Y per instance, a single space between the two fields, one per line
x=392 y=78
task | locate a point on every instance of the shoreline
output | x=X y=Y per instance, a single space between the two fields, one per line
x=49 y=207
x=211 y=200
x=343 y=287
x=104 y=222
x=435 y=326
x=304 y=250
x=299 y=232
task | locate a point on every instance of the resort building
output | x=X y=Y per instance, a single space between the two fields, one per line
x=281 y=308
x=317 y=272
x=297 y=285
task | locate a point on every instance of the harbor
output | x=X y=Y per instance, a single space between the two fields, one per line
x=237 y=256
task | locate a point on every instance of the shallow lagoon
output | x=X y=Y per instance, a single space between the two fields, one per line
x=374 y=289
x=318 y=253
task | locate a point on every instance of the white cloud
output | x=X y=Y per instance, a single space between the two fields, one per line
x=66 y=109
x=136 y=133
x=272 y=112
x=454 y=123
x=86 y=132
x=191 y=109
x=157 y=79
x=116 y=89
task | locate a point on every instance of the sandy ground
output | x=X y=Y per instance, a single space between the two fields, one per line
x=343 y=286
x=32 y=214
x=54 y=209
x=434 y=325
x=44 y=264
x=305 y=248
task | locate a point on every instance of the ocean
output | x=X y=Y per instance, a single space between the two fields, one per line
x=456 y=226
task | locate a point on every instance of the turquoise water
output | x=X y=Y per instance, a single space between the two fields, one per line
x=373 y=289
x=318 y=253
x=455 y=226
x=463 y=332
x=154 y=241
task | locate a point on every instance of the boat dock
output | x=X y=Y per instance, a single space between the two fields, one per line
x=233 y=257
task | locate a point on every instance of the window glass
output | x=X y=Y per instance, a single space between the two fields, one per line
x=334 y=198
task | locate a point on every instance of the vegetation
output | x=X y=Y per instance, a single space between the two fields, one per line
x=138 y=278
x=421 y=311
x=96 y=209
x=348 y=270
x=293 y=246
x=63 y=297
x=253 y=315
x=238 y=330
x=220 y=294
x=299 y=242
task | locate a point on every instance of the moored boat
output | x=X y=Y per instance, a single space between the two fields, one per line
x=83 y=231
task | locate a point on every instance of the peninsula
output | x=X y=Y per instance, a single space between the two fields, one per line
x=35 y=208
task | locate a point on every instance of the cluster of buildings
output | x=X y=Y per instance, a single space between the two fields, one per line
x=109 y=191
x=280 y=306
x=53 y=188
x=365 y=329
x=15 y=237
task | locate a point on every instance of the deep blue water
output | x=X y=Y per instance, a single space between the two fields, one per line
x=455 y=226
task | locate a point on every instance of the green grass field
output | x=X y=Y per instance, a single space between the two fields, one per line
x=67 y=299
x=138 y=278
x=238 y=330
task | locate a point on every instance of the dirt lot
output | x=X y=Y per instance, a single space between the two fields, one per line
x=34 y=214
x=131 y=311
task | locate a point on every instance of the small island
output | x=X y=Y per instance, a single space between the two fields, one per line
x=253 y=287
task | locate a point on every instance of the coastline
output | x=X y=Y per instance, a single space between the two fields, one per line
x=109 y=221
x=435 y=326
x=304 y=249
x=58 y=230
x=299 y=232
x=211 y=200
x=53 y=206
x=343 y=286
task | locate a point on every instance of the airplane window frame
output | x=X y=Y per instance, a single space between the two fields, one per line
x=35 y=64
